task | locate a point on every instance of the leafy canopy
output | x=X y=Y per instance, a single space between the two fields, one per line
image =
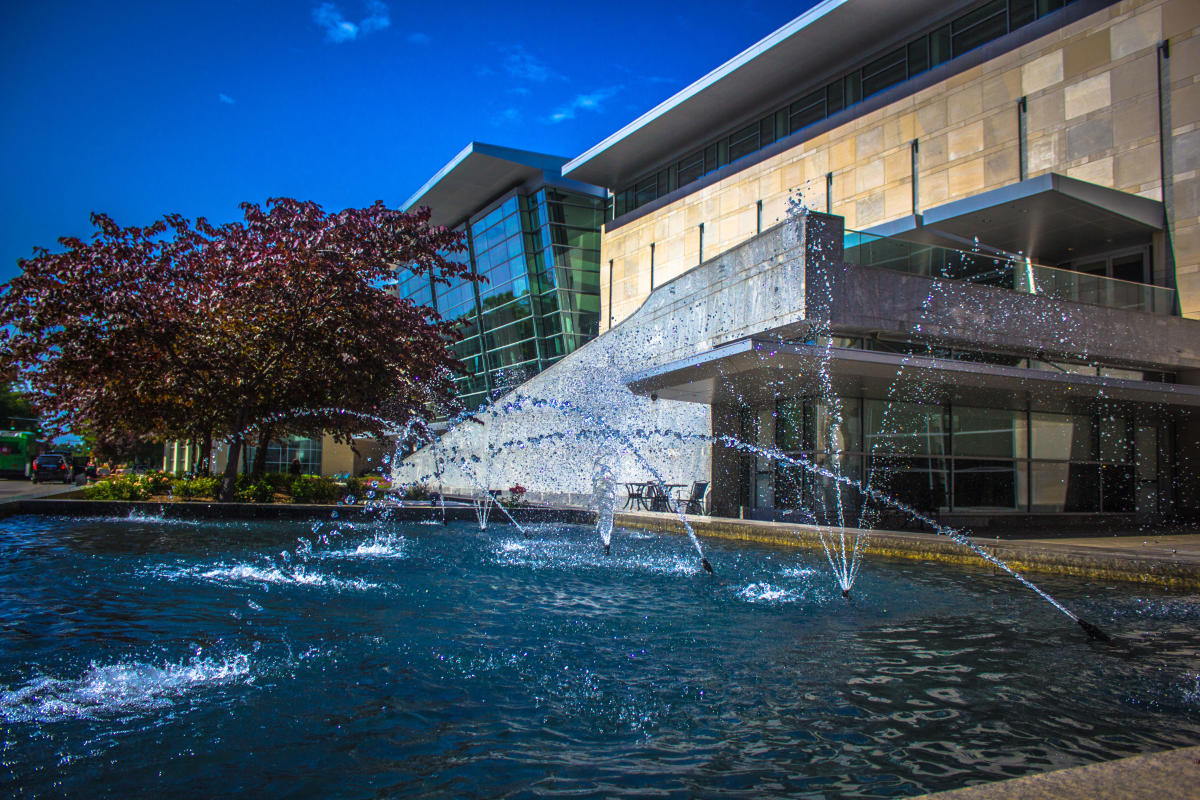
x=187 y=330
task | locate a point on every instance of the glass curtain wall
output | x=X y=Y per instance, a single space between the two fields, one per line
x=281 y=453
x=938 y=458
x=539 y=256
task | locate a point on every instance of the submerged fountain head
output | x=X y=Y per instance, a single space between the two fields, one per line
x=846 y=593
x=707 y=566
x=1092 y=631
x=607 y=550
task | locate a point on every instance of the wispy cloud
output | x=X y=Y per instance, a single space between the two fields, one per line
x=338 y=29
x=519 y=91
x=520 y=63
x=224 y=98
x=509 y=116
x=590 y=101
x=418 y=38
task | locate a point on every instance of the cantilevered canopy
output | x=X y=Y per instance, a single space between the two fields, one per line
x=803 y=51
x=476 y=176
x=1051 y=219
x=751 y=371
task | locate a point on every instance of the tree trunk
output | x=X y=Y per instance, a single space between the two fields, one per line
x=229 y=479
x=204 y=464
x=260 y=455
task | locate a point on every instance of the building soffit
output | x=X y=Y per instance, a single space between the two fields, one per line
x=1050 y=218
x=753 y=371
x=480 y=173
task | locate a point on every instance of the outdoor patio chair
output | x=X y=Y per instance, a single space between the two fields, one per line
x=657 y=499
x=694 y=502
x=635 y=495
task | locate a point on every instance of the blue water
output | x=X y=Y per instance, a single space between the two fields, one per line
x=172 y=659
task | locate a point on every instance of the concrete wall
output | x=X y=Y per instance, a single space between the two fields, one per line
x=555 y=454
x=1093 y=114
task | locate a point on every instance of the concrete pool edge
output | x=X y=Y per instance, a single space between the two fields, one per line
x=1129 y=559
x=1168 y=775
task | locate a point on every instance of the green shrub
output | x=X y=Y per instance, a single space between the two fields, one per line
x=258 y=492
x=198 y=488
x=158 y=482
x=280 y=481
x=416 y=492
x=356 y=488
x=312 y=489
x=118 y=488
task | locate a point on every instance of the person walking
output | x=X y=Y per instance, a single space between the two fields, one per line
x=294 y=468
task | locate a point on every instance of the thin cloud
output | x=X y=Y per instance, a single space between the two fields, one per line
x=338 y=29
x=520 y=91
x=591 y=101
x=224 y=98
x=524 y=65
x=418 y=38
x=509 y=116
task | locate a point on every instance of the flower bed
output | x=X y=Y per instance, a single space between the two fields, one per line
x=270 y=488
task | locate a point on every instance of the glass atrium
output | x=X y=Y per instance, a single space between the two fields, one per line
x=539 y=257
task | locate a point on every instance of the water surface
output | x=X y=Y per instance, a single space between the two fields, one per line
x=162 y=658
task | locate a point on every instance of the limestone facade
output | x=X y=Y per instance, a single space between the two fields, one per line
x=1094 y=111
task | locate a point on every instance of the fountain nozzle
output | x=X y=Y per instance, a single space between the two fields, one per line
x=607 y=550
x=707 y=566
x=846 y=593
x=1092 y=631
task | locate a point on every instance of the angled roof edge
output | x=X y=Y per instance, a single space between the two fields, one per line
x=730 y=66
x=526 y=158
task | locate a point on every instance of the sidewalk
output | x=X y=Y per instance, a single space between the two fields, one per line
x=24 y=489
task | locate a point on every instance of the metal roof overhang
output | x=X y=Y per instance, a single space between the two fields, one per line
x=477 y=175
x=831 y=35
x=1051 y=219
x=754 y=370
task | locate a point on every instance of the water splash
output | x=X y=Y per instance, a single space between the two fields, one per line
x=119 y=689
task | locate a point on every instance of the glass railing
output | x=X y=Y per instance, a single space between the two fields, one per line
x=1005 y=272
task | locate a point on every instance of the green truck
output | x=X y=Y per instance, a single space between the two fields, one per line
x=17 y=450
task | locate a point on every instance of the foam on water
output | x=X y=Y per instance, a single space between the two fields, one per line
x=388 y=546
x=241 y=574
x=555 y=554
x=381 y=546
x=118 y=689
x=799 y=572
x=299 y=576
x=146 y=518
x=764 y=593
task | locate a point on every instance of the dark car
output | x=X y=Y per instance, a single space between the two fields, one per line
x=51 y=467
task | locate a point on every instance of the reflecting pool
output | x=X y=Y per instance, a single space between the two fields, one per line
x=167 y=658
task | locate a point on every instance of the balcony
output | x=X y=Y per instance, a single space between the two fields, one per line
x=1005 y=272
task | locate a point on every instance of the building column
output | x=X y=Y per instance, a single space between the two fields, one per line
x=763 y=490
x=727 y=475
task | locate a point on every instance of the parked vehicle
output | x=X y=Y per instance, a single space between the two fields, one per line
x=52 y=467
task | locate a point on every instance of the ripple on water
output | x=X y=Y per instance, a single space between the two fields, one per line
x=118 y=689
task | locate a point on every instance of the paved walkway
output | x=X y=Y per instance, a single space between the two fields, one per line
x=1180 y=545
x=24 y=489
x=1173 y=775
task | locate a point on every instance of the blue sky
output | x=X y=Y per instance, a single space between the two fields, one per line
x=138 y=109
